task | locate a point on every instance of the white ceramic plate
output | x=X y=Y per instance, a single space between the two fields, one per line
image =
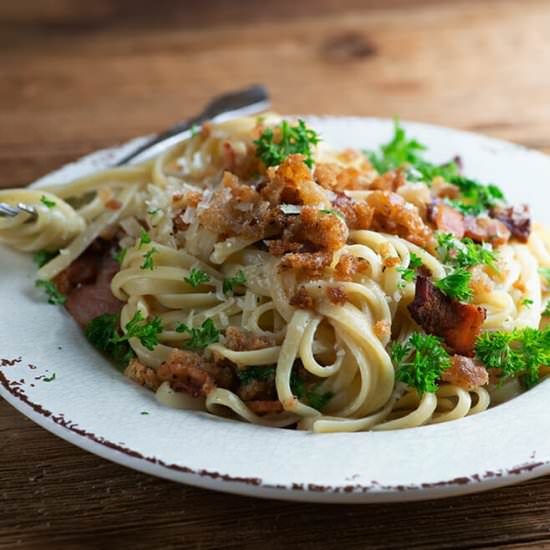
x=93 y=406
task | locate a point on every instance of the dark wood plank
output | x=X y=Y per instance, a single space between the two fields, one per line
x=76 y=76
x=53 y=491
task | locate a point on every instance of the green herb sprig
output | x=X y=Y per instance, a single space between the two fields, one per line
x=456 y=285
x=103 y=333
x=200 y=337
x=408 y=273
x=54 y=296
x=517 y=353
x=47 y=202
x=42 y=257
x=196 y=277
x=420 y=361
x=276 y=144
x=229 y=283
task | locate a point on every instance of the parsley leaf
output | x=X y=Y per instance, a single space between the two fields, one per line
x=50 y=378
x=465 y=253
x=147 y=333
x=297 y=384
x=408 y=273
x=420 y=361
x=42 y=257
x=476 y=198
x=201 y=337
x=148 y=259
x=456 y=285
x=120 y=255
x=102 y=332
x=229 y=283
x=517 y=353
x=196 y=277
x=527 y=302
x=402 y=152
x=317 y=399
x=144 y=238
x=546 y=312
x=54 y=296
x=47 y=202
x=275 y=144
x=255 y=373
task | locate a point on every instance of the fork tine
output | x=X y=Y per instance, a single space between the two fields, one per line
x=8 y=211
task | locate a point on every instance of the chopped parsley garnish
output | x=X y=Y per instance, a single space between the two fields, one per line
x=148 y=259
x=229 y=283
x=120 y=255
x=332 y=212
x=42 y=257
x=147 y=333
x=103 y=333
x=144 y=238
x=255 y=373
x=54 y=296
x=545 y=274
x=517 y=353
x=464 y=253
x=476 y=198
x=153 y=212
x=456 y=285
x=196 y=277
x=50 y=378
x=47 y=202
x=402 y=152
x=276 y=144
x=420 y=361
x=546 y=312
x=201 y=337
x=144 y=412
x=408 y=273
x=314 y=397
x=527 y=302
x=195 y=129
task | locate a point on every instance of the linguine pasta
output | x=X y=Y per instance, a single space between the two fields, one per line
x=288 y=292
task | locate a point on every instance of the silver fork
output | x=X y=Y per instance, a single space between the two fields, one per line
x=223 y=107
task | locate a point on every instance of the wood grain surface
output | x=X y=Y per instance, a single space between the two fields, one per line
x=76 y=76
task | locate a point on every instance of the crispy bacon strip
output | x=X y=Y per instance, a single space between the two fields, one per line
x=465 y=373
x=457 y=323
x=516 y=218
x=446 y=218
x=482 y=229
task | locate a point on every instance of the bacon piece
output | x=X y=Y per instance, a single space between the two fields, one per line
x=446 y=218
x=336 y=295
x=88 y=301
x=358 y=214
x=348 y=266
x=312 y=264
x=302 y=299
x=144 y=376
x=465 y=373
x=516 y=218
x=265 y=407
x=238 y=339
x=393 y=215
x=459 y=324
x=185 y=373
x=481 y=229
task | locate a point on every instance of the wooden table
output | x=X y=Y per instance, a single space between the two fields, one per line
x=76 y=76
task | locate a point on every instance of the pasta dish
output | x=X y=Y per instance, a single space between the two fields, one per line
x=254 y=272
